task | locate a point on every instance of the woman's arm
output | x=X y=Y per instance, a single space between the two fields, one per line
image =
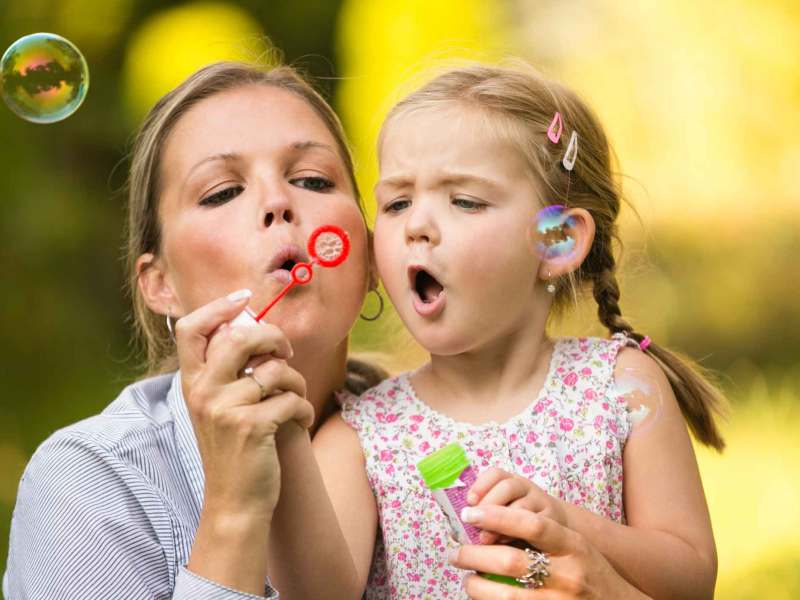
x=667 y=549
x=86 y=526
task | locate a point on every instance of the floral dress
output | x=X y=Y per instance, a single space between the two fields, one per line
x=568 y=441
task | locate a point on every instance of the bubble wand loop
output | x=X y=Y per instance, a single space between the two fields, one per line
x=328 y=246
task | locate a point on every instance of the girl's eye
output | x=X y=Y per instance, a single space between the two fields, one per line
x=222 y=196
x=315 y=184
x=467 y=204
x=396 y=206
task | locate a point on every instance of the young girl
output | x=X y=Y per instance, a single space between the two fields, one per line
x=467 y=163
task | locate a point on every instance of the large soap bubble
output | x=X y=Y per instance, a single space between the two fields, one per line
x=44 y=78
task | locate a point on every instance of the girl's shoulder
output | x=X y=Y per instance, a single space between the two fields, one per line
x=382 y=404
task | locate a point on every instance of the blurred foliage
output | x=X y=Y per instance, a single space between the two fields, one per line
x=700 y=101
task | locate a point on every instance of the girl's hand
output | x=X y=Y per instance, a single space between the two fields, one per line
x=576 y=569
x=501 y=488
x=235 y=429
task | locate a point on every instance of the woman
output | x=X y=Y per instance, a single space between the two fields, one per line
x=172 y=491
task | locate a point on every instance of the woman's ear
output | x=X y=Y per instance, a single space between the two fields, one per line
x=578 y=225
x=155 y=286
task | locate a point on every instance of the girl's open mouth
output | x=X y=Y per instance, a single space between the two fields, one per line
x=429 y=294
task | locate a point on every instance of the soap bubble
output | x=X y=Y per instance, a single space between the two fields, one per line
x=551 y=235
x=642 y=398
x=44 y=78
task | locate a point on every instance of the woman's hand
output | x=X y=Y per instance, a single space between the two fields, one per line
x=235 y=430
x=501 y=488
x=576 y=569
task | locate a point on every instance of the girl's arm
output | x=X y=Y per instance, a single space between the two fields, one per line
x=667 y=548
x=309 y=556
x=341 y=461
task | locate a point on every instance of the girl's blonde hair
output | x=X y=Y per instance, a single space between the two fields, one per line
x=143 y=232
x=522 y=104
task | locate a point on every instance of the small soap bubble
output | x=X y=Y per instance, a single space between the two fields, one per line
x=551 y=235
x=44 y=78
x=642 y=398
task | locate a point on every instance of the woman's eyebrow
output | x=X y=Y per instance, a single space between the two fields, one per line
x=301 y=147
x=225 y=156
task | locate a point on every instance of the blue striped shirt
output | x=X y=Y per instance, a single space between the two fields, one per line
x=108 y=508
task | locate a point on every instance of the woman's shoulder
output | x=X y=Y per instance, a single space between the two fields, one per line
x=116 y=439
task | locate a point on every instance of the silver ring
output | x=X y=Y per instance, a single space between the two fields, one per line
x=537 y=569
x=250 y=372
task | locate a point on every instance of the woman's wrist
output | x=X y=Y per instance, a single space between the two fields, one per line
x=231 y=549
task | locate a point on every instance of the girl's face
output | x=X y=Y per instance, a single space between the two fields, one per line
x=455 y=208
x=247 y=175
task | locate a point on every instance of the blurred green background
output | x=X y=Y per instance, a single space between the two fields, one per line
x=701 y=99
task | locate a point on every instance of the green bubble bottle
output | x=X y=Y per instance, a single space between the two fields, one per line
x=448 y=474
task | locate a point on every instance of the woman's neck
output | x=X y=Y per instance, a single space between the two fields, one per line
x=325 y=372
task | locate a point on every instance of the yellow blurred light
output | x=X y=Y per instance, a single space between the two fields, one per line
x=176 y=42
x=383 y=44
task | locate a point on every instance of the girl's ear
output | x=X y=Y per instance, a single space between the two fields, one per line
x=579 y=225
x=155 y=286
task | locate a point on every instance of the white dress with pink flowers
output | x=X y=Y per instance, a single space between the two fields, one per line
x=568 y=441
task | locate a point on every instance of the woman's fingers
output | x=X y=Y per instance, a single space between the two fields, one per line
x=518 y=523
x=193 y=330
x=284 y=407
x=231 y=347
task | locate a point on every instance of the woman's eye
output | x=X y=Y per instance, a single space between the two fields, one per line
x=315 y=184
x=396 y=206
x=468 y=204
x=222 y=196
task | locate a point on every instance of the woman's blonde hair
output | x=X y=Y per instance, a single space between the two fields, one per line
x=522 y=103
x=143 y=232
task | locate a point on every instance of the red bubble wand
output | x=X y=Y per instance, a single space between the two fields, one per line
x=328 y=246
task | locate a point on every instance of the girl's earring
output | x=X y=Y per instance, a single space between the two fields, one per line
x=551 y=287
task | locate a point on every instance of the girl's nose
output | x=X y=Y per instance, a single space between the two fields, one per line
x=421 y=227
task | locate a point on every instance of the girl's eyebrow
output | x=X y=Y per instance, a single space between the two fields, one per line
x=402 y=181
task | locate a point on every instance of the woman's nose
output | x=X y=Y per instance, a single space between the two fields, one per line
x=278 y=208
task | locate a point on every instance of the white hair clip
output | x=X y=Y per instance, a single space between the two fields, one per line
x=572 y=152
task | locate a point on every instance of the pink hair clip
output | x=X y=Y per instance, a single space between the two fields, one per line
x=553 y=134
x=645 y=343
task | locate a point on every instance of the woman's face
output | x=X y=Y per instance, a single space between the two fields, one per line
x=247 y=175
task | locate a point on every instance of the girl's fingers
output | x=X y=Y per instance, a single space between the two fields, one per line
x=518 y=523
x=193 y=330
x=231 y=347
x=506 y=491
x=486 y=481
x=480 y=588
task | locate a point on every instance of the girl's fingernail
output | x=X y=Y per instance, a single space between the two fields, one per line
x=472 y=497
x=471 y=515
x=452 y=557
x=239 y=295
